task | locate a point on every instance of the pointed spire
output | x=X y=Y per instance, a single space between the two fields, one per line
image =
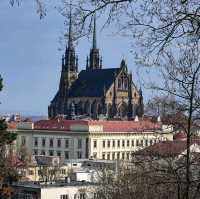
x=70 y=44
x=94 y=43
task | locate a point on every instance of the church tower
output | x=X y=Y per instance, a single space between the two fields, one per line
x=95 y=62
x=69 y=73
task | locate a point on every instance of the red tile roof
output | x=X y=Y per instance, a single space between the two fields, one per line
x=167 y=148
x=127 y=126
x=180 y=136
x=112 y=126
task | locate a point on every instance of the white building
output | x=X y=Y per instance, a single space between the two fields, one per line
x=68 y=190
x=72 y=139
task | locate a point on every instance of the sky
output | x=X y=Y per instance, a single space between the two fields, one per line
x=30 y=62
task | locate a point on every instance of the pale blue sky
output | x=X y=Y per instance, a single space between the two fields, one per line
x=30 y=62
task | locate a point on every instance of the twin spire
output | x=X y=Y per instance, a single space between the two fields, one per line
x=70 y=60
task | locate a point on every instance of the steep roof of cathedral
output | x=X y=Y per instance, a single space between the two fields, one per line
x=91 y=83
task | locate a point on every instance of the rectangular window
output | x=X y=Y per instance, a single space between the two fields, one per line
x=123 y=143
x=146 y=142
x=103 y=156
x=23 y=140
x=151 y=142
x=108 y=143
x=43 y=142
x=95 y=144
x=51 y=153
x=51 y=142
x=118 y=143
x=82 y=196
x=104 y=143
x=79 y=143
x=36 y=142
x=95 y=155
x=79 y=155
x=113 y=143
x=141 y=142
x=127 y=143
x=108 y=156
x=123 y=156
x=137 y=142
x=64 y=196
x=132 y=142
x=58 y=143
x=118 y=155
x=66 y=144
x=127 y=156
x=58 y=153
x=35 y=152
x=66 y=154
x=43 y=152
x=113 y=155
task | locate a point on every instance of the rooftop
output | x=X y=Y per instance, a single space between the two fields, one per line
x=106 y=126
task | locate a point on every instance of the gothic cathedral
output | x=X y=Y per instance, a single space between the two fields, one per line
x=96 y=91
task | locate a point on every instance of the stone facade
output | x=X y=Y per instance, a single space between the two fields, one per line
x=95 y=92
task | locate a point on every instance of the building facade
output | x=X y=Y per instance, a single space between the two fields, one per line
x=73 y=139
x=95 y=91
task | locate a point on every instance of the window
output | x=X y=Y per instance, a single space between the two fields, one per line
x=79 y=143
x=43 y=142
x=146 y=142
x=118 y=155
x=35 y=141
x=125 y=84
x=108 y=143
x=66 y=154
x=113 y=155
x=103 y=156
x=63 y=171
x=30 y=172
x=35 y=152
x=58 y=143
x=132 y=143
x=51 y=153
x=51 y=142
x=66 y=144
x=104 y=143
x=122 y=156
x=95 y=144
x=151 y=142
x=43 y=152
x=113 y=143
x=127 y=143
x=75 y=196
x=123 y=143
x=94 y=155
x=58 y=153
x=64 y=196
x=119 y=83
x=82 y=196
x=137 y=142
x=108 y=156
x=118 y=143
x=23 y=140
x=127 y=156
x=141 y=142
x=79 y=155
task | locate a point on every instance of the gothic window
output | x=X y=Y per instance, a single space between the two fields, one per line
x=119 y=84
x=125 y=84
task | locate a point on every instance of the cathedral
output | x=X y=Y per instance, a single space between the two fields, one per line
x=95 y=92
